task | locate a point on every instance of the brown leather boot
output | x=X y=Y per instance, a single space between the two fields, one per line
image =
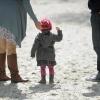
x=3 y=76
x=13 y=67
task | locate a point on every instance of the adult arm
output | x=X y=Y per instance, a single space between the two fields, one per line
x=31 y=13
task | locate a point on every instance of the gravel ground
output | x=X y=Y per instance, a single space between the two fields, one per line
x=75 y=57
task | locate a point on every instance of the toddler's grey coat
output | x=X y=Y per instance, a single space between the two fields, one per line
x=44 y=46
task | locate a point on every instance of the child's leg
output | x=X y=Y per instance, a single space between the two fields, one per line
x=43 y=70
x=51 y=74
x=43 y=74
x=51 y=70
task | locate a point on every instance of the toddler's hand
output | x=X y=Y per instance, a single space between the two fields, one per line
x=57 y=28
x=32 y=55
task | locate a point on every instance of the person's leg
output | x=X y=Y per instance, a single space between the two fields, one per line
x=43 y=74
x=95 y=23
x=3 y=76
x=12 y=63
x=97 y=50
x=51 y=74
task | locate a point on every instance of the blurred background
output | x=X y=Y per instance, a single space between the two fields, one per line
x=63 y=11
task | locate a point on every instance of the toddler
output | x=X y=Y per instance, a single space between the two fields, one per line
x=44 y=50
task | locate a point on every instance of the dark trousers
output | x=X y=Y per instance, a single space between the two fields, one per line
x=95 y=23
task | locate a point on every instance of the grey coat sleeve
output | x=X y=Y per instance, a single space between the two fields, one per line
x=58 y=37
x=34 y=47
x=29 y=9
